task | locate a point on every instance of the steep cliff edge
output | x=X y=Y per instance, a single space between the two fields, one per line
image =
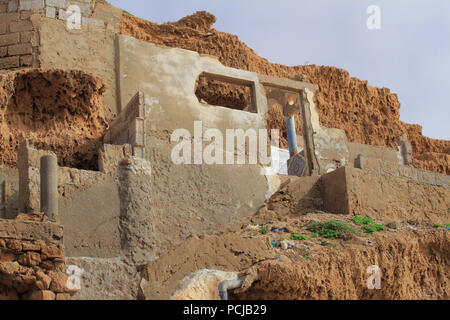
x=367 y=114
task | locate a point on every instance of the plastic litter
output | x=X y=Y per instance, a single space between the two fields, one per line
x=279 y=230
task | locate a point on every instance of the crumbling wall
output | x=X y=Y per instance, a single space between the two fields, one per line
x=9 y=193
x=32 y=264
x=368 y=115
x=61 y=111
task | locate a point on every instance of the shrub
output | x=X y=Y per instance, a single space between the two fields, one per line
x=332 y=229
x=374 y=228
x=298 y=237
x=360 y=221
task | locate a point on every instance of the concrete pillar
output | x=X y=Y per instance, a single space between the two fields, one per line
x=292 y=135
x=49 y=186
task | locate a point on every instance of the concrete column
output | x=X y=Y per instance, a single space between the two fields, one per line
x=49 y=186
x=292 y=135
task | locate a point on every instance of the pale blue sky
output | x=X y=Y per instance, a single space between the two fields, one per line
x=410 y=54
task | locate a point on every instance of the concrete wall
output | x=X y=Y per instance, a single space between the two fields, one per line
x=386 y=167
x=89 y=209
x=90 y=49
x=384 y=197
x=9 y=193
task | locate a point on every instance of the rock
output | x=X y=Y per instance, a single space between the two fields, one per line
x=14 y=245
x=42 y=295
x=30 y=259
x=51 y=252
x=28 y=246
x=45 y=279
x=9 y=268
x=63 y=296
x=59 y=282
x=48 y=265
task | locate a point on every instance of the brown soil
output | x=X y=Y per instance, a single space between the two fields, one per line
x=59 y=110
x=414 y=266
x=367 y=114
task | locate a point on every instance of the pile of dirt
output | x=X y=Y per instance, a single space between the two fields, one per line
x=59 y=110
x=367 y=114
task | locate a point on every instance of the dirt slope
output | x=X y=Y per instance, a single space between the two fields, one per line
x=367 y=114
x=414 y=265
x=59 y=110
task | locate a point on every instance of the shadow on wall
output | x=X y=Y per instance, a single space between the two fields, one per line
x=61 y=111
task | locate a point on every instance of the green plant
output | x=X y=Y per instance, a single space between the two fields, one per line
x=264 y=230
x=447 y=225
x=298 y=237
x=307 y=257
x=438 y=225
x=360 y=221
x=313 y=235
x=374 y=228
x=332 y=229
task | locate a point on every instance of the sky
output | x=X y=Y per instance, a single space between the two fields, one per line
x=409 y=54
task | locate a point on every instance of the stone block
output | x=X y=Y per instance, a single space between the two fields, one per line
x=50 y=12
x=20 y=49
x=3 y=28
x=3 y=51
x=9 y=39
x=8 y=17
x=9 y=62
x=57 y=3
x=19 y=26
x=26 y=61
x=31 y=4
x=42 y=295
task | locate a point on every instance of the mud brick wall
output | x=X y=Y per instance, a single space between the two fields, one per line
x=19 y=37
x=32 y=260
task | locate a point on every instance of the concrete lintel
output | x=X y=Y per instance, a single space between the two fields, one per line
x=287 y=84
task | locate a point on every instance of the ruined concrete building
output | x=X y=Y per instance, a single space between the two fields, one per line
x=116 y=218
